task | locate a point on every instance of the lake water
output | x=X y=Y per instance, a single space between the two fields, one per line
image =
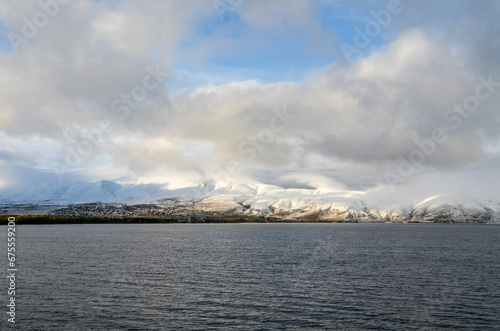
x=257 y=276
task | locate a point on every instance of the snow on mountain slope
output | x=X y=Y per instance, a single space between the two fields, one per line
x=458 y=208
x=221 y=203
x=104 y=191
x=264 y=200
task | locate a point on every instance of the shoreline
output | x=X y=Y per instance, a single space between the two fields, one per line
x=235 y=219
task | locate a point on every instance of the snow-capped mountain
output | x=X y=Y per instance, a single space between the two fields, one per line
x=257 y=199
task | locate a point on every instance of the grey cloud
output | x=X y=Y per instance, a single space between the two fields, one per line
x=12 y=155
x=370 y=112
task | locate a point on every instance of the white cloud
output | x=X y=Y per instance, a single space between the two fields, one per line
x=367 y=114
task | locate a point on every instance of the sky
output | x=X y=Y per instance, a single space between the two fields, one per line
x=392 y=98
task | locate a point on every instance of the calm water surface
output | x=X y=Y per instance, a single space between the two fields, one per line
x=257 y=277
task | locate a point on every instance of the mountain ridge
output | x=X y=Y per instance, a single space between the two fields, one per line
x=257 y=199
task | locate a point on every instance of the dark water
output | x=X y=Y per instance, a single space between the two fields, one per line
x=257 y=276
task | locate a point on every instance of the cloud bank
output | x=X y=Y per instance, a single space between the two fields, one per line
x=260 y=90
